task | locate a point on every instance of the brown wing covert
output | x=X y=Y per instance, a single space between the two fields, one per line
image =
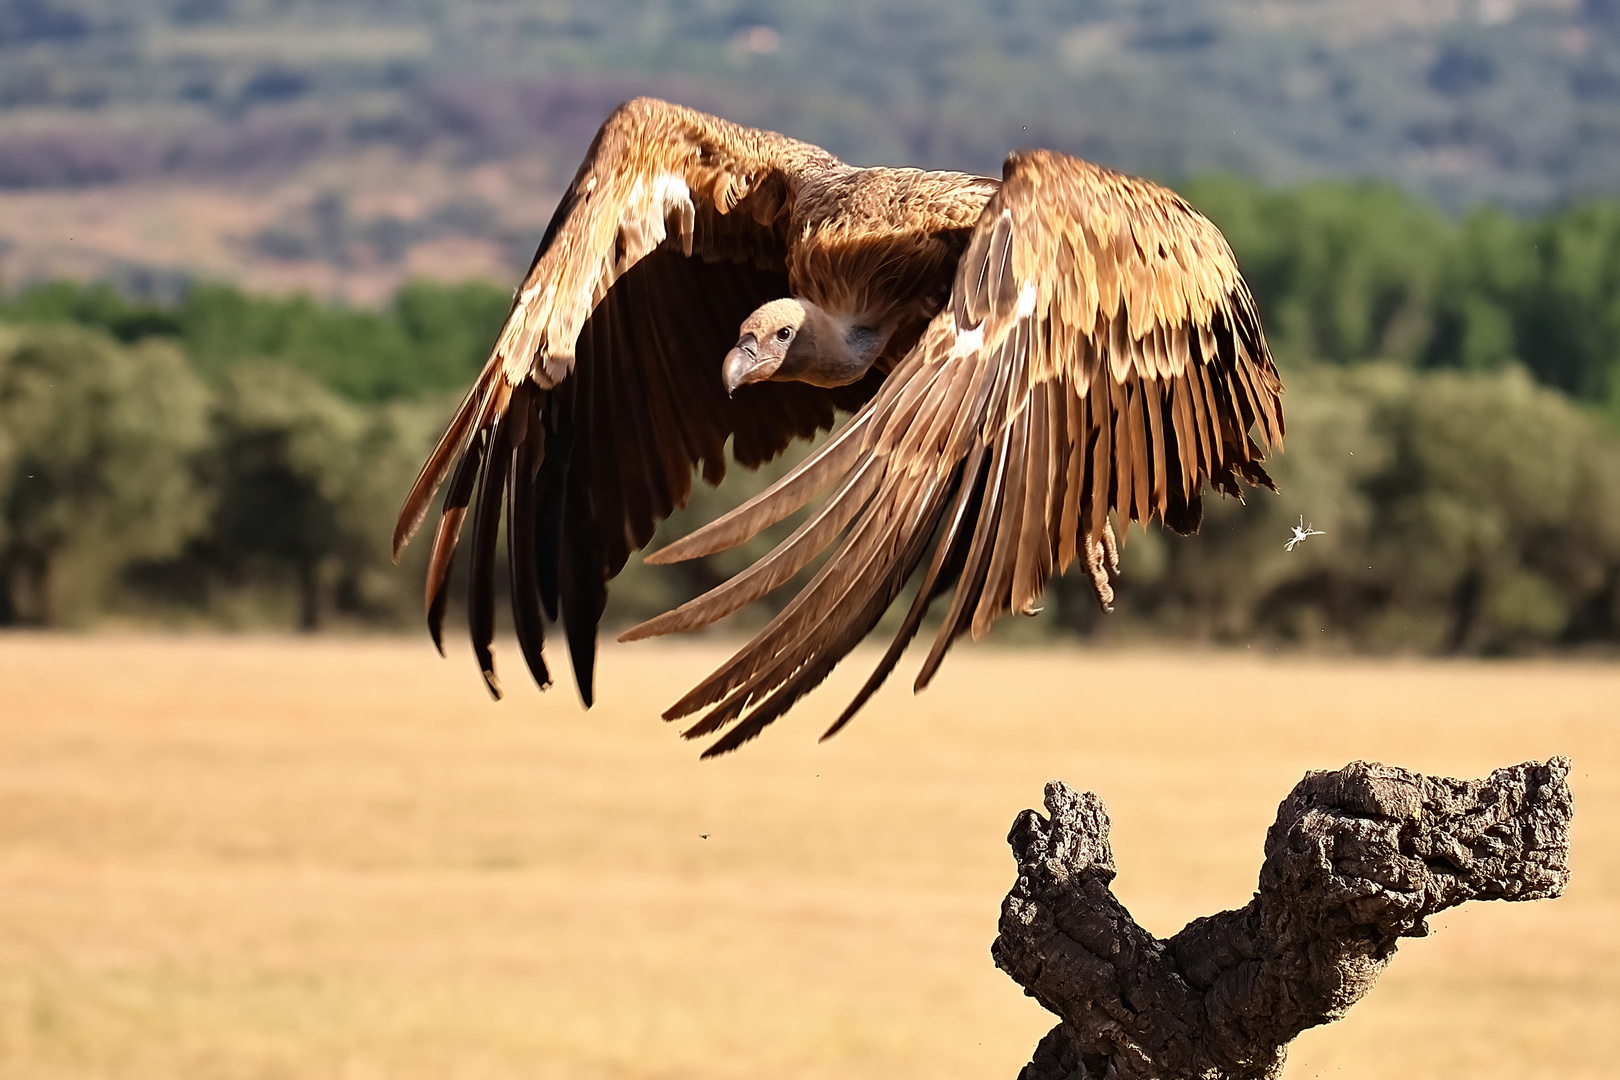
x=602 y=394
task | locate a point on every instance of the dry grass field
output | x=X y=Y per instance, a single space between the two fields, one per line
x=328 y=858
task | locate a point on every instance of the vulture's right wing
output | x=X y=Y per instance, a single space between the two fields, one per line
x=1100 y=355
x=603 y=390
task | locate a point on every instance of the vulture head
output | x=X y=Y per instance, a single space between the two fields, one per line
x=794 y=340
x=763 y=343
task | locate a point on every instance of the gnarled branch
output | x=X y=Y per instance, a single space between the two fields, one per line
x=1356 y=860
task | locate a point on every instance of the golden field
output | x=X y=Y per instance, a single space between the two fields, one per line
x=334 y=858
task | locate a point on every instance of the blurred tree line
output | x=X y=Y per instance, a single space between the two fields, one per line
x=1453 y=408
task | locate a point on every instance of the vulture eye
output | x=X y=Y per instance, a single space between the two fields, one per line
x=784 y=334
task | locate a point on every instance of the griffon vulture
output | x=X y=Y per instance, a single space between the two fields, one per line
x=1022 y=359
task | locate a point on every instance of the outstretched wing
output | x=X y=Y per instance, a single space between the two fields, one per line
x=603 y=390
x=1100 y=354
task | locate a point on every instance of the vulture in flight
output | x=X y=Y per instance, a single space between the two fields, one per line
x=1022 y=359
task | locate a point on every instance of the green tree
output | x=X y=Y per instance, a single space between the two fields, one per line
x=432 y=336
x=1342 y=272
x=307 y=485
x=1500 y=510
x=1545 y=293
x=97 y=448
x=1459 y=512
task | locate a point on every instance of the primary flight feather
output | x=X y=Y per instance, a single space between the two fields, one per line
x=1022 y=359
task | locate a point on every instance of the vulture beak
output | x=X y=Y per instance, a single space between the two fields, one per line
x=744 y=365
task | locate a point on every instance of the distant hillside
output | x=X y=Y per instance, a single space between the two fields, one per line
x=342 y=145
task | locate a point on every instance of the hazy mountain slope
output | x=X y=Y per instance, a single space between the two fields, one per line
x=293 y=119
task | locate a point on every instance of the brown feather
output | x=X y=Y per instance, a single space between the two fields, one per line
x=757 y=666
x=1075 y=509
x=450 y=447
x=1104 y=478
x=1125 y=446
x=447 y=534
x=1009 y=528
x=1033 y=563
x=774 y=503
x=785 y=560
x=968 y=482
x=1155 y=435
x=528 y=448
x=1182 y=423
x=973 y=571
x=808 y=662
x=486 y=527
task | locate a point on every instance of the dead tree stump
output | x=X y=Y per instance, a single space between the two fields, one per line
x=1357 y=859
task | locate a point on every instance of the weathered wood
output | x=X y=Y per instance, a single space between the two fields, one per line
x=1356 y=860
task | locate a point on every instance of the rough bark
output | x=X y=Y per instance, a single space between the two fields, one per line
x=1356 y=860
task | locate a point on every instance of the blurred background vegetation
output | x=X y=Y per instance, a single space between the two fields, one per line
x=1421 y=195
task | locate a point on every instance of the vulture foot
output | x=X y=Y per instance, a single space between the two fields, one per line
x=1102 y=563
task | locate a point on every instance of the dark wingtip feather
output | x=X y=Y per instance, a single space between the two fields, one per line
x=583 y=594
x=520 y=539
x=585 y=676
x=435 y=613
x=551 y=487
x=873 y=683
x=730 y=742
x=581 y=634
x=486 y=530
x=447 y=535
x=1186 y=516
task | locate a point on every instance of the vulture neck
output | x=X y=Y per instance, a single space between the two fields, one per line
x=835 y=349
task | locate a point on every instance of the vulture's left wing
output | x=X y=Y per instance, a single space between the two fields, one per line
x=1100 y=354
x=603 y=392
